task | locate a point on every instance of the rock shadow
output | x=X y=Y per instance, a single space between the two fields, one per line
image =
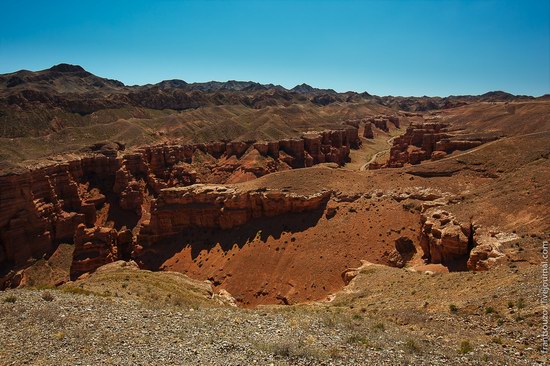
x=205 y=239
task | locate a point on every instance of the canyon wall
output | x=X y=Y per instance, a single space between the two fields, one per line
x=97 y=201
x=176 y=210
x=380 y=121
x=430 y=140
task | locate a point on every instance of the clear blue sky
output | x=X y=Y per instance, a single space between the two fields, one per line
x=383 y=47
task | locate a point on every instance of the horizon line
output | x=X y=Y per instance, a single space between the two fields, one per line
x=277 y=85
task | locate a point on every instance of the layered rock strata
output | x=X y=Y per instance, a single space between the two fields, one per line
x=43 y=207
x=176 y=210
x=431 y=140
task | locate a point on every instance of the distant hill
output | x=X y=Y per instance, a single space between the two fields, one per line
x=35 y=103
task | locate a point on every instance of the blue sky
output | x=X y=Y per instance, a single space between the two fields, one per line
x=383 y=47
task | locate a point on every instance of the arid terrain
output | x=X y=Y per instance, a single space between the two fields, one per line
x=237 y=223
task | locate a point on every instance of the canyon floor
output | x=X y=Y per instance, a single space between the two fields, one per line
x=243 y=224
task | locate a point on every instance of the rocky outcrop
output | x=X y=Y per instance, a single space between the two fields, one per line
x=381 y=122
x=430 y=140
x=44 y=272
x=218 y=207
x=395 y=120
x=487 y=252
x=417 y=144
x=367 y=132
x=443 y=239
x=93 y=248
x=43 y=207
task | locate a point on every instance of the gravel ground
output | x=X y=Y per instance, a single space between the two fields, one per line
x=73 y=329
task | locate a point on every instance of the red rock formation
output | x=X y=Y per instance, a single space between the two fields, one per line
x=447 y=241
x=431 y=140
x=43 y=207
x=395 y=120
x=313 y=146
x=93 y=248
x=437 y=155
x=381 y=121
x=218 y=207
x=368 y=133
x=444 y=239
x=403 y=252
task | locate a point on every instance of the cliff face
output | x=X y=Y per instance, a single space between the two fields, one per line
x=218 y=207
x=431 y=140
x=94 y=201
x=40 y=208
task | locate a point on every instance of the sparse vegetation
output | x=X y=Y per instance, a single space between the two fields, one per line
x=521 y=303
x=465 y=347
x=411 y=346
x=289 y=349
x=10 y=299
x=453 y=308
x=76 y=291
x=358 y=339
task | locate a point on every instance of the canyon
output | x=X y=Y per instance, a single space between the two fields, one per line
x=266 y=202
x=377 y=216
x=97 y=201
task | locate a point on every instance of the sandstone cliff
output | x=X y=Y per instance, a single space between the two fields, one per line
x=43 y=207
x=430 y=140
x=218 y=207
